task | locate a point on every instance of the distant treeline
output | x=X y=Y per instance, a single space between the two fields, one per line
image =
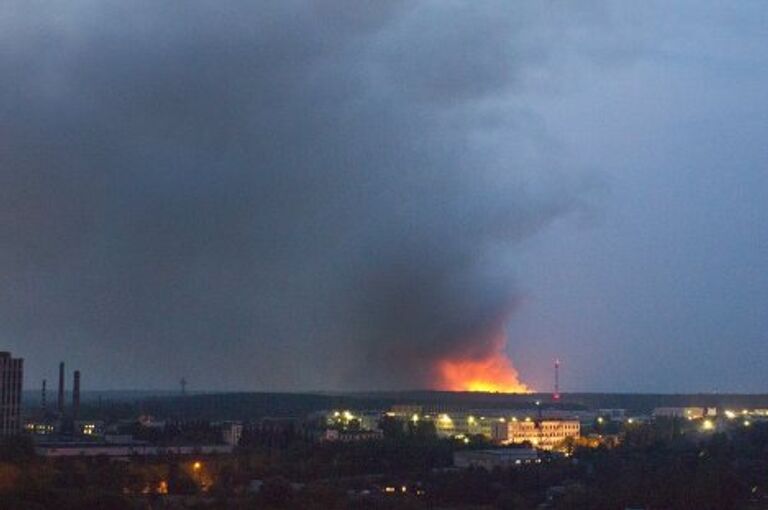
x=645 y=403
x=248 y=406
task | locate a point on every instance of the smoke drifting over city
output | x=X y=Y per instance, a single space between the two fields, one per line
x=336 y=186
x=348 y=195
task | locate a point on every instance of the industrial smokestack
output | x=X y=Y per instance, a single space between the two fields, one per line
x=44 y=397
x=556 y=394
x=61 y=388
x=76 y=395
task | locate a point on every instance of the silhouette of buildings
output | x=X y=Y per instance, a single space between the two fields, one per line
x=11 y=376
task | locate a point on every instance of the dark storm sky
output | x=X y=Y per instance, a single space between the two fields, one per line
x=323 y=195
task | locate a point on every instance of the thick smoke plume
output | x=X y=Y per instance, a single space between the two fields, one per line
x=287 y=195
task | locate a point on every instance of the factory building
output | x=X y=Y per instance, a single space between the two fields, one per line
x=11 y=376
x=612 y=414
x=61 y=420
x=692 y=413
x=464 y=424
x=127 y=450
x=492 y=459
x=544 y=434
x=349 y=436
x=40 y=428
x=405 y=411
x=349 y=420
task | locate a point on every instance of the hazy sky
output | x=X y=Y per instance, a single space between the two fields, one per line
x=324 y=195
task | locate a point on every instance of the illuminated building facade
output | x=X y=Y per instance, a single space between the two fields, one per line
x=11 y=376
x=357 y=420
x=88 y=428
x=406 y=410
x=40 y=428
x=463 y=424
x=544 y=434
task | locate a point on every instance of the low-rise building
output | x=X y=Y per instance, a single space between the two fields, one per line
x=498 y=458
x=231 y=433
x=612 y=414
x=124 y=450
x=348 y=419
x=92 y=428
x=405 y=411
x=41 y=427
x=691 y=413
x=544 y=434
x=370 y=420
x=351 y=436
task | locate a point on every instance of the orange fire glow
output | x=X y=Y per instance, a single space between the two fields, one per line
x=491 y=373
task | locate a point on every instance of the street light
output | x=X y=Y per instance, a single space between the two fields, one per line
x=197 y=467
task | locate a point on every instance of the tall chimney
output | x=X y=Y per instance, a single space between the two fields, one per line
x=76 y=396
x=43 y=397
x=556 y=394
x=61 y=388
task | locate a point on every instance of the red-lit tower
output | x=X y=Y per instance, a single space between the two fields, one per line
x=556 y=394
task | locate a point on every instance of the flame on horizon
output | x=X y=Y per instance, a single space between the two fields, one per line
x=493 y=372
